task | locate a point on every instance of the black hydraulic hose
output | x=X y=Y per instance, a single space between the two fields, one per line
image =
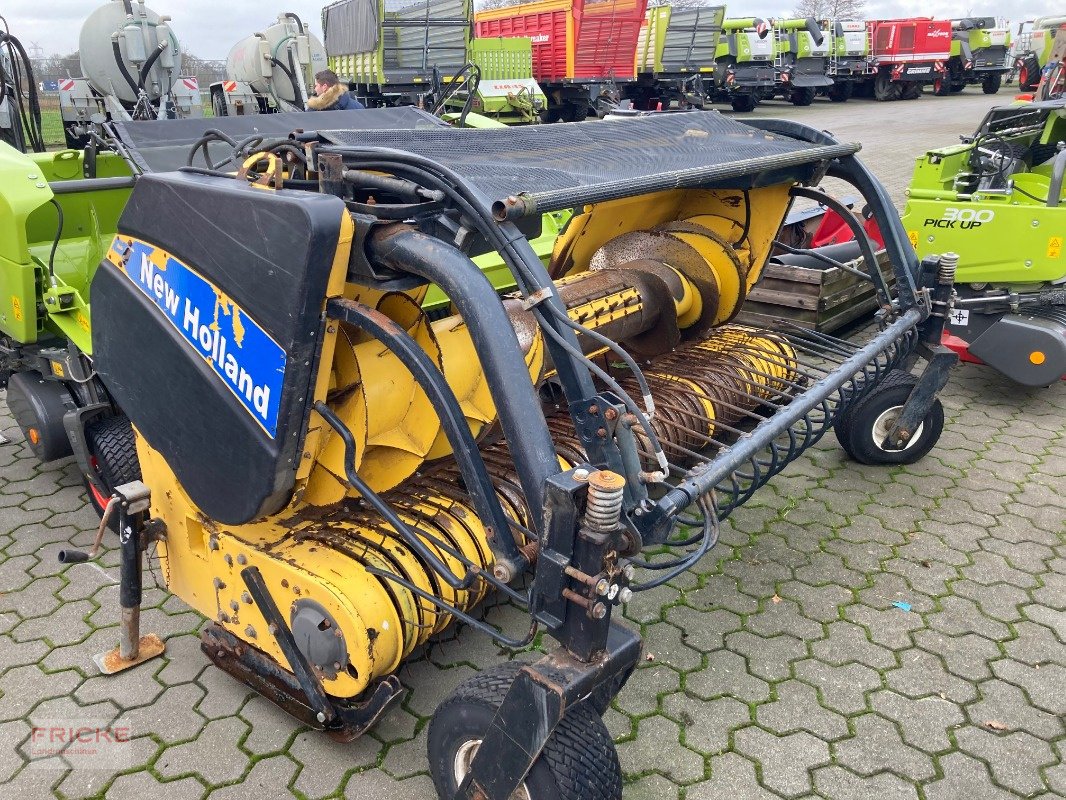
x=121 y=62
x=409 y=537
x=55 y=242
x=147 y=68
x=408 y=250
x=1058 y=169
x=292 y=80
x=296 y=19
x=30 y=122
x=429 y=378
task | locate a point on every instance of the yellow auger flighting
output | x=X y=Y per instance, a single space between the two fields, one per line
x=335 y=477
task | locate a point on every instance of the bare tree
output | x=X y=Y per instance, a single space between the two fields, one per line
x=830 y=9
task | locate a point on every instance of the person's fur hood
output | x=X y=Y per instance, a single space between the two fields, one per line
x=328 y=99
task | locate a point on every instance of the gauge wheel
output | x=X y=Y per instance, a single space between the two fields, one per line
x=113 y=457
x=579 y=761
x=862 y=429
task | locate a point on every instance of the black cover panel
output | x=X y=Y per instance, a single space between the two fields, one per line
x=164 y=145
x=549 y=158
x=270 y=253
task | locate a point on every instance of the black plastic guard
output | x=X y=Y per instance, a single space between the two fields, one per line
x=199 y=260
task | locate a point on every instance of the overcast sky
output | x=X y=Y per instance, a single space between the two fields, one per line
x=209 y=28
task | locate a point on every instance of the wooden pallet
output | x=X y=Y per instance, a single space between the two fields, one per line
x=817 y=299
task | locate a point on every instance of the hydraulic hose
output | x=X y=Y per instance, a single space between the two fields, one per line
x=147 y=68
x=121 y=62
x=292 y=80
x=296 y=19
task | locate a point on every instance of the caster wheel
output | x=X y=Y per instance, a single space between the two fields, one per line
x=578 y=762
x=861 y=429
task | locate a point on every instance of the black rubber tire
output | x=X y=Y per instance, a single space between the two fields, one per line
x=841 y=92
x=113 y=454
x=855 y=428
x=802 y=96
x=744 y=103
x=910 y=91
x=992 y=83
x=579 y=761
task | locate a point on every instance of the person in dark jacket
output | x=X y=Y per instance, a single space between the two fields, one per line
x=330 y=95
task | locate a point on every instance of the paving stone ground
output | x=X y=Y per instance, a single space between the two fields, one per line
x=780 y=667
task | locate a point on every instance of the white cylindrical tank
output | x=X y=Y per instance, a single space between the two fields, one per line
x=276 y=58
x=139 y=33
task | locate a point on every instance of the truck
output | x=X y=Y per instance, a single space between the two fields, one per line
x=908 y=54
x=1031 y=49
x=397 y=52
x=675 y=58
x=744 y=63
x=801 y=59
x=270 y=71
x=583 y=50
x=850 y=62
x=980 y=54
x=131 y=70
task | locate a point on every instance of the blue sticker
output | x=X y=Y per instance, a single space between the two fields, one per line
x=244 y=356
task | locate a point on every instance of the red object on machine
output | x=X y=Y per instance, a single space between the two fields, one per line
x=573 y=40
x=833 y=230
x=905 y=40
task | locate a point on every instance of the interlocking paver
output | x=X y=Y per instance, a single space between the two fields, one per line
x=786 y=760
x=732 y=775
x=877 y=747
x=1015 y=759
x=780 y=640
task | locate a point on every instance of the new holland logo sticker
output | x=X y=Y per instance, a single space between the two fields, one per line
x=241 y=354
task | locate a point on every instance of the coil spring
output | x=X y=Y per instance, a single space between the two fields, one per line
x=604 y=507
x=949 y=264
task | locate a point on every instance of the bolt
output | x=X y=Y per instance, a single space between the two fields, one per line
x=602 y=433
x=581 y=475
x=611 y=414
x=629 y=571
x=625 y=595
x=594 y=409
x=223 y=616
x=212 y=543
x=296 y=590
x=228 y=559
x=247 y=598
x=235 y=606
x=219 y=584
x=336 y=665
x=613 y=592
x=599 y=611
x=242 y=559
x=321 y=717
x=603 y=586
x=250 y=632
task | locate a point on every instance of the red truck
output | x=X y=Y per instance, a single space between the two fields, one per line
x=907 y=54
x=582 y=49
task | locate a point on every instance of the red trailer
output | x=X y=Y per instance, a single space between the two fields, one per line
x=907 y=54
x=582 y=49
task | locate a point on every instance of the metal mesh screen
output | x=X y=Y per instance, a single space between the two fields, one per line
x=539 y=159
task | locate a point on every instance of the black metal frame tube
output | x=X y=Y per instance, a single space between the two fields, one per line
x=709 y=475
x=517 y=404
x=851 y=169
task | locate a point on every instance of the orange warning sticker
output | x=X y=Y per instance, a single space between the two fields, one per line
x=16 y=306
x=913 y=236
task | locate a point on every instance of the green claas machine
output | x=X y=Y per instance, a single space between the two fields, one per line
x=1031 y=49
x=55 y=227
x=980 y=54
x=850 y=62
x=744 y=63
x=675 y=58
x=801 y=59
x=998 y=201
x=504 y=89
